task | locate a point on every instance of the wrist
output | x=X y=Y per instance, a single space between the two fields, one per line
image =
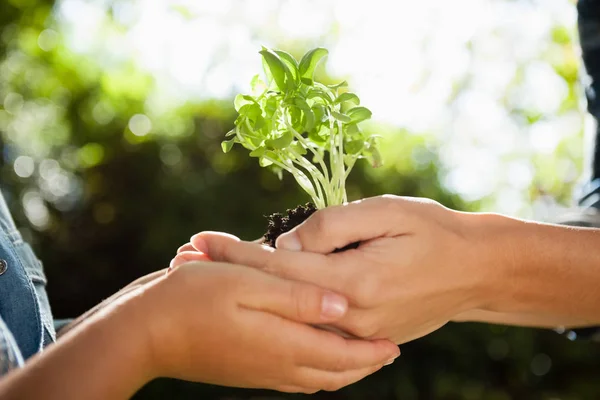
x=495 y=243
x=102 y=358
x=120 y=330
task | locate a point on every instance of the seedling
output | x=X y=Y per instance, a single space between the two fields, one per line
x=293 y=123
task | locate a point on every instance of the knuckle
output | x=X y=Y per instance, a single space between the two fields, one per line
x=322 y=222
x=303 y=300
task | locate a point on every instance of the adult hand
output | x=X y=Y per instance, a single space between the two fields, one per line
x=417 y=265
x=236 y=326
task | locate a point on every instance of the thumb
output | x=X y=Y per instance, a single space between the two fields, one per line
x=297 y=301
x=336 y=227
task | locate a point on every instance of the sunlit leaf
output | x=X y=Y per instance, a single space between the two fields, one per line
x=281 y=142
x=358 y=114
x=275 y=66
x=354 y=146
x=338 y=85
x=341 y=117
x=259 y=152
x=309 y=62
x=226 y=145
x=291 y=64
x=348 y=96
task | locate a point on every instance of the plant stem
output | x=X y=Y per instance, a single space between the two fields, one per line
x=296 y=172
x=313 y=171
x=342 y=163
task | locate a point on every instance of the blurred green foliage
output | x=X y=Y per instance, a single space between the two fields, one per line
x=106 y=190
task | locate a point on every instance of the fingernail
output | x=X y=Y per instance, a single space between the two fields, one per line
x=289 y=241
x=199 y=243
x=333 y=305
x=391 y=360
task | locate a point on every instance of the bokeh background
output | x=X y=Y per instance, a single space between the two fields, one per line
x=112 y=113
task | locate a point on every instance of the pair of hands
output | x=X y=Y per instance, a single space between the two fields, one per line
x=215 y=320
x=417 y=266
x=230 y=325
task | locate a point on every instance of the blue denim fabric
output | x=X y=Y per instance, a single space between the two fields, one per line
x=24 y=310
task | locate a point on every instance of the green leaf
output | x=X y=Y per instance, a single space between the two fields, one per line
x=309 y=62
x=230 y=133
x=354 y=146
x=253 y=113
x=291 y=63
x=372 y=153
x=281 y=142
x=338 y=85
x=226 y=145
x=257 y=85
x=320 y=112
x=263 y=162
x=348 y=96
x=316 y=138
x=341 y=117
x=298 y=148
x=309 y=116
x=275 y=66
x=241 y=100
x=358 y=114
x=258 y=152
x=317 y=93
x=351 y=130
x=374 y=157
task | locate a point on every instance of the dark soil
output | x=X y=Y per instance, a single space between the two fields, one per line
x=282 y=223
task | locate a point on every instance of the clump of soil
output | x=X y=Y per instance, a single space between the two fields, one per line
x=282 y=223
x=279 y=224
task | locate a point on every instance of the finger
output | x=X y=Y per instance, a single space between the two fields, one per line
x=301 y=266
x=351 y=354
x=185 y=247
x=295 y=389
x=186 y=257
x=319 y=349
x=332 y=381
x=335 y=227
x=294 y=300
x=328 y=351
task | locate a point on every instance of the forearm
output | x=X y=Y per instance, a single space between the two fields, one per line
x=126 y=290
x=539 y=274
x=100 y=359
x=524 y=320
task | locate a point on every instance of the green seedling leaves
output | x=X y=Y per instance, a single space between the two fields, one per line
x=354 y=146
x=359 y=114
x=291 y=64
x=338 y=85
x=226 y=145
x=341 y=117
x=348 y=96
x=292 y=121
x=274 y=67
x=309 y=63
x=281 y=142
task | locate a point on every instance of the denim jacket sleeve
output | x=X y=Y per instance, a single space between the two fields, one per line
x=10 y=355
x=27 y=324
